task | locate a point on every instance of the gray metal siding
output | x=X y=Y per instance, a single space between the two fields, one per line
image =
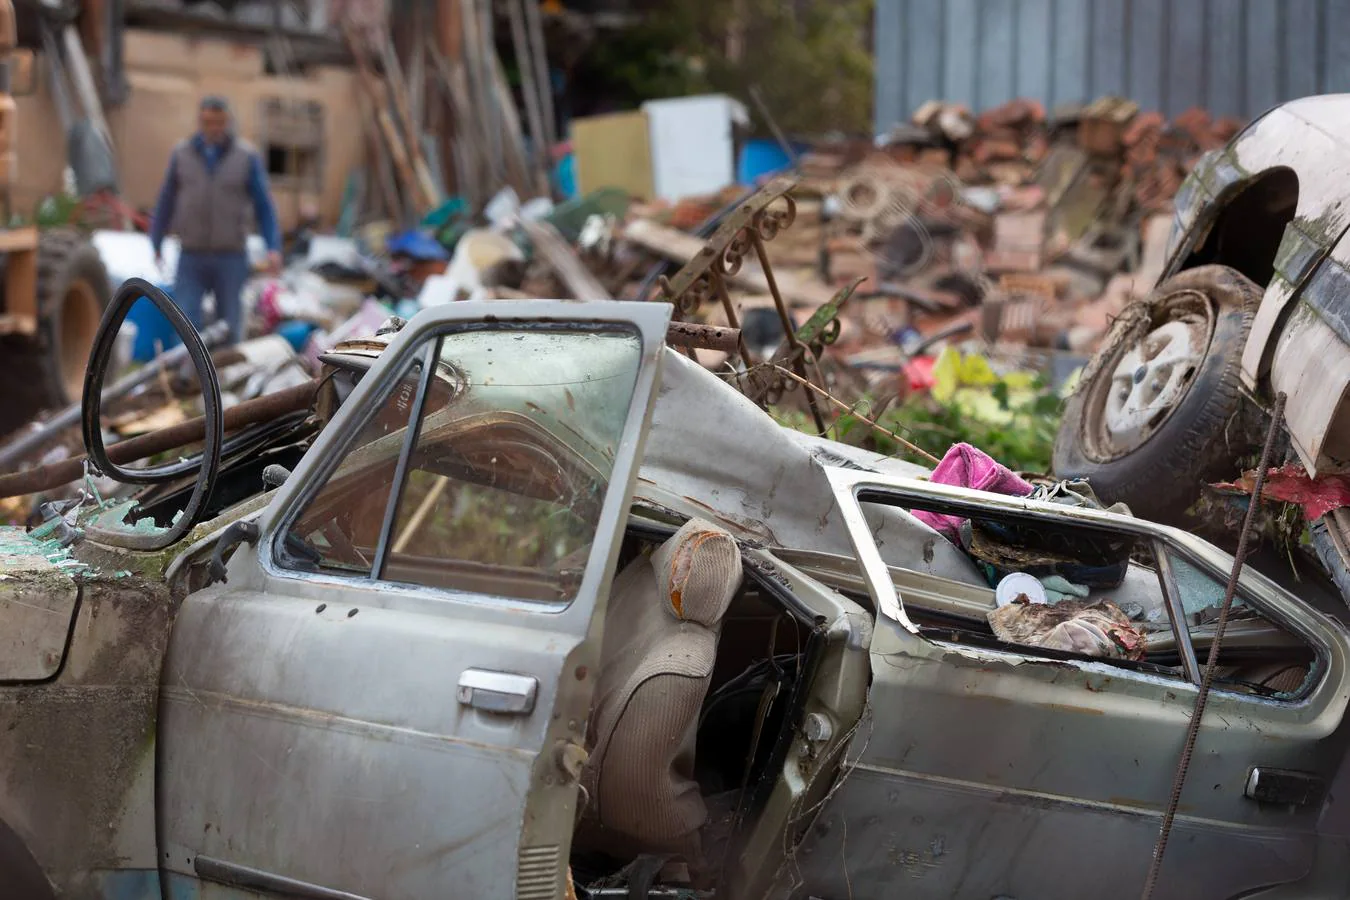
x=1233 y=57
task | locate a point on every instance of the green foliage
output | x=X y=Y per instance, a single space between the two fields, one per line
x=809 y=60
x=1023 y=440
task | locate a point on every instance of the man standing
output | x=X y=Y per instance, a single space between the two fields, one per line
x=213 y=181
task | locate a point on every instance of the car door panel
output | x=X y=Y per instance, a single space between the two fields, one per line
x=365 y=738
x=999 y=773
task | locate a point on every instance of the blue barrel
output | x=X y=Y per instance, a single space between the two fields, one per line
x=761 y=157
x=151 y=327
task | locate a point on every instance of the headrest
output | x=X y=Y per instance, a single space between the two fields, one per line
x=699 y=571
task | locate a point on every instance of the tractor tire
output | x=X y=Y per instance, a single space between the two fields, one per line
x=46 y=371
x=1160 y=410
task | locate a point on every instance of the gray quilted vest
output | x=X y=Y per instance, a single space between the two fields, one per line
x=212 y=211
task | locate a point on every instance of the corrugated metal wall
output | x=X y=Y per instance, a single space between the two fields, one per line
x=1233 y=57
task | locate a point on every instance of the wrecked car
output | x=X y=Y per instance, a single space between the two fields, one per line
x=1251 y=304
x=546 y=607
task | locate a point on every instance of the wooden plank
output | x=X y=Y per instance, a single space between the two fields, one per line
x=398 y=90
x=534 y=26
x=526 y=179
x=553 y=248
x=680 y=247
x=529 y=84
x=12 y=239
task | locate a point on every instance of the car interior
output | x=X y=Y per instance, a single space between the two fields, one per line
x=699 y=678
x=1261 y=656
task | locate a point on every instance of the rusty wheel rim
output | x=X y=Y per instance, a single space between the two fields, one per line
x=1148 y=377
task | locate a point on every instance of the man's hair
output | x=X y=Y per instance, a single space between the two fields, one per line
x=215 y=102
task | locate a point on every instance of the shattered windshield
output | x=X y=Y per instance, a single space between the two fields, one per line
x=501 y=490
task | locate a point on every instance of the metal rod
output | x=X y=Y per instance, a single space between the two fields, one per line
x=777 y=132
x=848 y=410
x=783 y=314
x=1212 y=662
x=1177 y=611
x=720 y=285
x=250 y=412
x=404 y=460
x=31 y=441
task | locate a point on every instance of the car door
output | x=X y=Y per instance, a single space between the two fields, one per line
x=388 y=697
x=994 y=770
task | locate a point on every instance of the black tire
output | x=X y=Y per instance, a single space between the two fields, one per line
x=46 y=371
x=1206 y=430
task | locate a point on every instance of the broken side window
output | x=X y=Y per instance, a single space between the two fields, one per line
x=1058 y=588
x=1258 y=656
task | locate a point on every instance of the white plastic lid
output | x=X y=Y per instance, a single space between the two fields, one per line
x=1016 y=584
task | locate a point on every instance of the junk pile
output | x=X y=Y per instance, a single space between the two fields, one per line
x=966 y=257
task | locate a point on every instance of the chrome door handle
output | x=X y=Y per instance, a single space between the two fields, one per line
x=498 y=692
x=1283 y=787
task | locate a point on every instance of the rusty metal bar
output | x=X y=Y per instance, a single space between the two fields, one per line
x=703 y=337
x=250 y=412
x=720 y=288
x=1212 y=662
x=798 y=364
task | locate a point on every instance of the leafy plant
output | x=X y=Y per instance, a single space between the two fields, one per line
x=1013 y=417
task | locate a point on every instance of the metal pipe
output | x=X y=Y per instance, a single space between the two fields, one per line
x=29 y=442
x=703 y=337
x=250 y=412
x=1212 y=661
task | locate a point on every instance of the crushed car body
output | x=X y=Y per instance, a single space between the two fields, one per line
x=526 y=601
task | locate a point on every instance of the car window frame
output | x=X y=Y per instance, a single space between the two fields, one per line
x=857 y=486
x=276 y=561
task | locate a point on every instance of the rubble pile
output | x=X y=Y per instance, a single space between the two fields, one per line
x=974 y=246
x=1023 y=229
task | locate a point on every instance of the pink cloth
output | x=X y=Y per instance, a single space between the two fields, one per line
x=965 y=466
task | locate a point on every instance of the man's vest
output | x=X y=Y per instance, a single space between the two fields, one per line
x=212 y=209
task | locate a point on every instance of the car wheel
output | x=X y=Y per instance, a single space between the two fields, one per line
x=1330 y=537
x=1159 y=410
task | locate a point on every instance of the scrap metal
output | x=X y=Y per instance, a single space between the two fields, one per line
x=705 y=279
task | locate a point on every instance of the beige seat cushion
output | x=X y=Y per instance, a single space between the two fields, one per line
x=660 y=643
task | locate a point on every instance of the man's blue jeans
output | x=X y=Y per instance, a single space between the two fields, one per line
x=221 y=274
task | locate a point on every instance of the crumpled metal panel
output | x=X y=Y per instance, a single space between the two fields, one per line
x=712 y=453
